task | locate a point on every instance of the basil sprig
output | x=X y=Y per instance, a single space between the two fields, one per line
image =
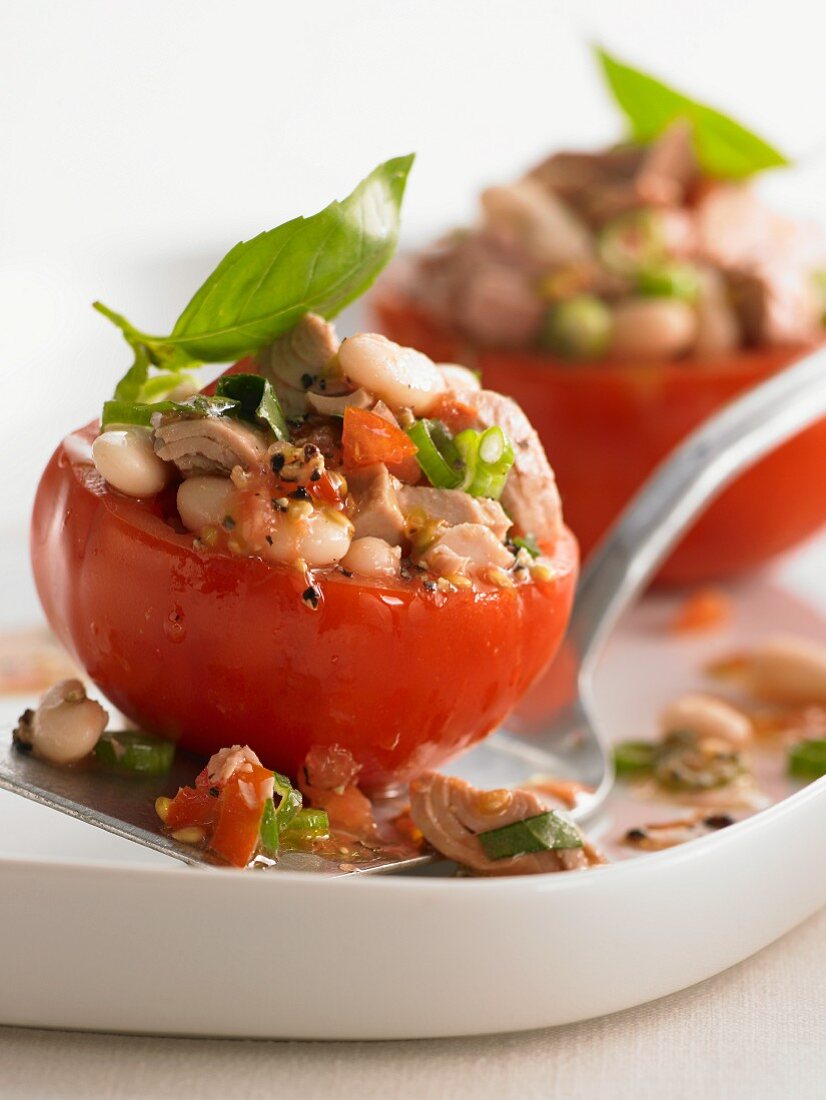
x=263 y=286
x=724 y=148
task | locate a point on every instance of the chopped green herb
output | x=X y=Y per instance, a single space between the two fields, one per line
x=579 y=328
x=437 y=454
x=256 y=400
x=487 y=458
x=130 y=412
x=669 y=280
x=541 y=833
x=527 y=543
x=133 y=751
x=807 y=759
x=275 y=819
x=724 y=148
x=634 y=758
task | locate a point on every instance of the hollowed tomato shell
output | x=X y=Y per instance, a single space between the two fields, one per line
x=211 y=649
x=607 y=425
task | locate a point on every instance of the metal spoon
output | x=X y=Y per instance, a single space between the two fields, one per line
x=570 y=744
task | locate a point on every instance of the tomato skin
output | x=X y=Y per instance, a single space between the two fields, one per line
x=606 y=426
x=369 y=438
x=192 y=806
x=210 y=649
x=240 y=809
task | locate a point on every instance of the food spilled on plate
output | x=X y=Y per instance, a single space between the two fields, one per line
x=622 y=296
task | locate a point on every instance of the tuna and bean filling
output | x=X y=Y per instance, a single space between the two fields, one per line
x=628 y=253
x=356 y=456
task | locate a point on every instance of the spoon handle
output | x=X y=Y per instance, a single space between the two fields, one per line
x=683 y=486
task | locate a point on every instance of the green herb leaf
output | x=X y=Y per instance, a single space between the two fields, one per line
x=724 y=148
x=263 y=286
x=540 y=833
x=807 y=759
x=256 y=399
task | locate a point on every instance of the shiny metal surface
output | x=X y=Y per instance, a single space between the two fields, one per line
x=126 y=806
x=680 y=489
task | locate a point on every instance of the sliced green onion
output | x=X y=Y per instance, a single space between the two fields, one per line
x=276 y=819
x=307 y=824
x=133 y=751
x=136 y=412
x=807 y=759
x=487 y=457
x=527 y=543
x=669 y=280
x=437 y=454
x=634 y=757
x=542 y=833
x=579 y=328
x=256 y=400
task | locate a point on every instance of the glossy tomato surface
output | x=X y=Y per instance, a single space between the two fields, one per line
x=606 y=426
x=211 y=649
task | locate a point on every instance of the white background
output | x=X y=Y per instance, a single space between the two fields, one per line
x=142 y=138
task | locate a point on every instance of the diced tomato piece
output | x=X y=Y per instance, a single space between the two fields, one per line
x=454 y=414
x=192 y=806
x=369 y=438
x=705 y=609
x=240 y=808
x=325 y=491
x=327 y=781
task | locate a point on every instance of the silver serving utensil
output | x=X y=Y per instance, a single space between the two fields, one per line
x=125 y=805
x=570 y=744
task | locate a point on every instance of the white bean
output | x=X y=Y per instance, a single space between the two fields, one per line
x=459 y=378
x=707 y=717
x=125 y=458
x=320 y=538
x=790 y=670
x=202 y=501
x=403 y=377
x=66 y=725
x=652 y=328
x=372 y=557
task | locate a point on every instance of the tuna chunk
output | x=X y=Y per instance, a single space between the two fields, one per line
x=537 y=222
x=530 y=496
x=454 y=507
x=775 y=305
x=468 y=548
x=669 y=167
x=294 y=360
x=377 y=513
x=209 y=444
x=450 y=814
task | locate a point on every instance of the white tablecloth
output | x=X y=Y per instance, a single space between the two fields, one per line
x=756 y=1032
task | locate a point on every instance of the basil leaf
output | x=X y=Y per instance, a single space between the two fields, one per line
x=263 y=286
x=724 y=148
x=256 y=401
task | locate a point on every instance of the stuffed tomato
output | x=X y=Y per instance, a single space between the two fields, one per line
x=343 y=544
x=622 y=296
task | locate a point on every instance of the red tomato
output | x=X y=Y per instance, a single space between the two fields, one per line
x=369 y=438
x=240 y=809
x=192 y=806
x=211 y=649
x=606 y=426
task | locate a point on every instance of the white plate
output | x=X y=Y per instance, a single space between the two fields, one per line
x=102 y=934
